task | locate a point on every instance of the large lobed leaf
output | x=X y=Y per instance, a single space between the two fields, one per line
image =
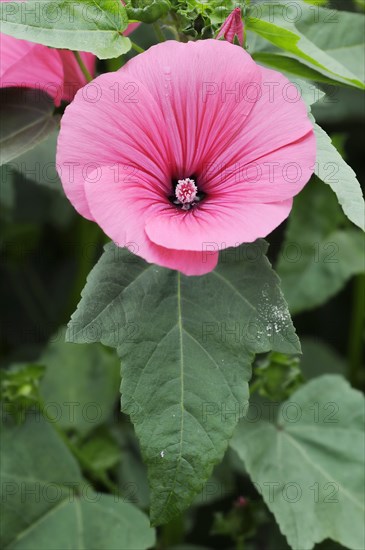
x=46 y=503
x=186 y=345
x=91 y=25
x=309 y=463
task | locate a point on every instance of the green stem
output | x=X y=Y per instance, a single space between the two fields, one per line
x=172 y=533
x=356 y=335
x=158 y=32
x=136 y=47
x=82 y=66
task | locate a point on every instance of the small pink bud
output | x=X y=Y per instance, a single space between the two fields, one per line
x=232 y=27
x=241 y=502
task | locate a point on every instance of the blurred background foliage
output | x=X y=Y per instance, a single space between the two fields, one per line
x=47 y=251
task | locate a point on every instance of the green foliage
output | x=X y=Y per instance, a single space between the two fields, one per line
x=98 y=24
x=189 y=359
x=101 y=450
x=332 y=169
x=308 y=463
x=88 y=398
x=319 y=254
x=316 y=37
x=46 y=503
x=26 y=120
x=187 y=344
x=201 y=19
x=19 y=388
x=131 y=471
x=147 y=11
x=241 y=522
x=286 y=64
x=317 y=2
x=339 y=34
x=277 y=376
x=38 y=164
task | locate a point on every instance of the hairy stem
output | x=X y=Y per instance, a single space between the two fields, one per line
x=82 y=66
x=158 y=32
x=136 y=47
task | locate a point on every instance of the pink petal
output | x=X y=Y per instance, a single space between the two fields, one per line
x=25 y=64
x=182 y=111
x=132 y=27
x=204 y=90
x=186 y=261
x=215 y=225
x=121 y=207
x=274 y=155
x=112 y=121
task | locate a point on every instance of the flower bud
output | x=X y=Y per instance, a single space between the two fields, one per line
x=233 y=26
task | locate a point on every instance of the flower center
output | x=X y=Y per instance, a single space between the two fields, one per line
x=186 y=191
x=186 y=194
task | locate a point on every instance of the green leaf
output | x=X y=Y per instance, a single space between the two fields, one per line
x=80 y=385
x=309 y=93
x=96 y=522
x=332 y=169
x=308 y=465
x=186 y=345
x=339 y=34
x=318 y=37
x=286 y=64
x=101 y=450
x=147 y=11
x=48 y=506
x=26 y=119
x=316 y=2
x=318 y=257
x=94 y=26
x=39 y=164
x=131 y=472
x=33 y=458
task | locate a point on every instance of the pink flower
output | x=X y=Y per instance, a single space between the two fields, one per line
x=30 y=65
x=190 y=148
x=232 y=27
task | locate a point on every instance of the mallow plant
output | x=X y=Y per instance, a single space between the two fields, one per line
x=189 y=156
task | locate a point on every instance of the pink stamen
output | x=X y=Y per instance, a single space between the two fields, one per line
x=186 y=191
